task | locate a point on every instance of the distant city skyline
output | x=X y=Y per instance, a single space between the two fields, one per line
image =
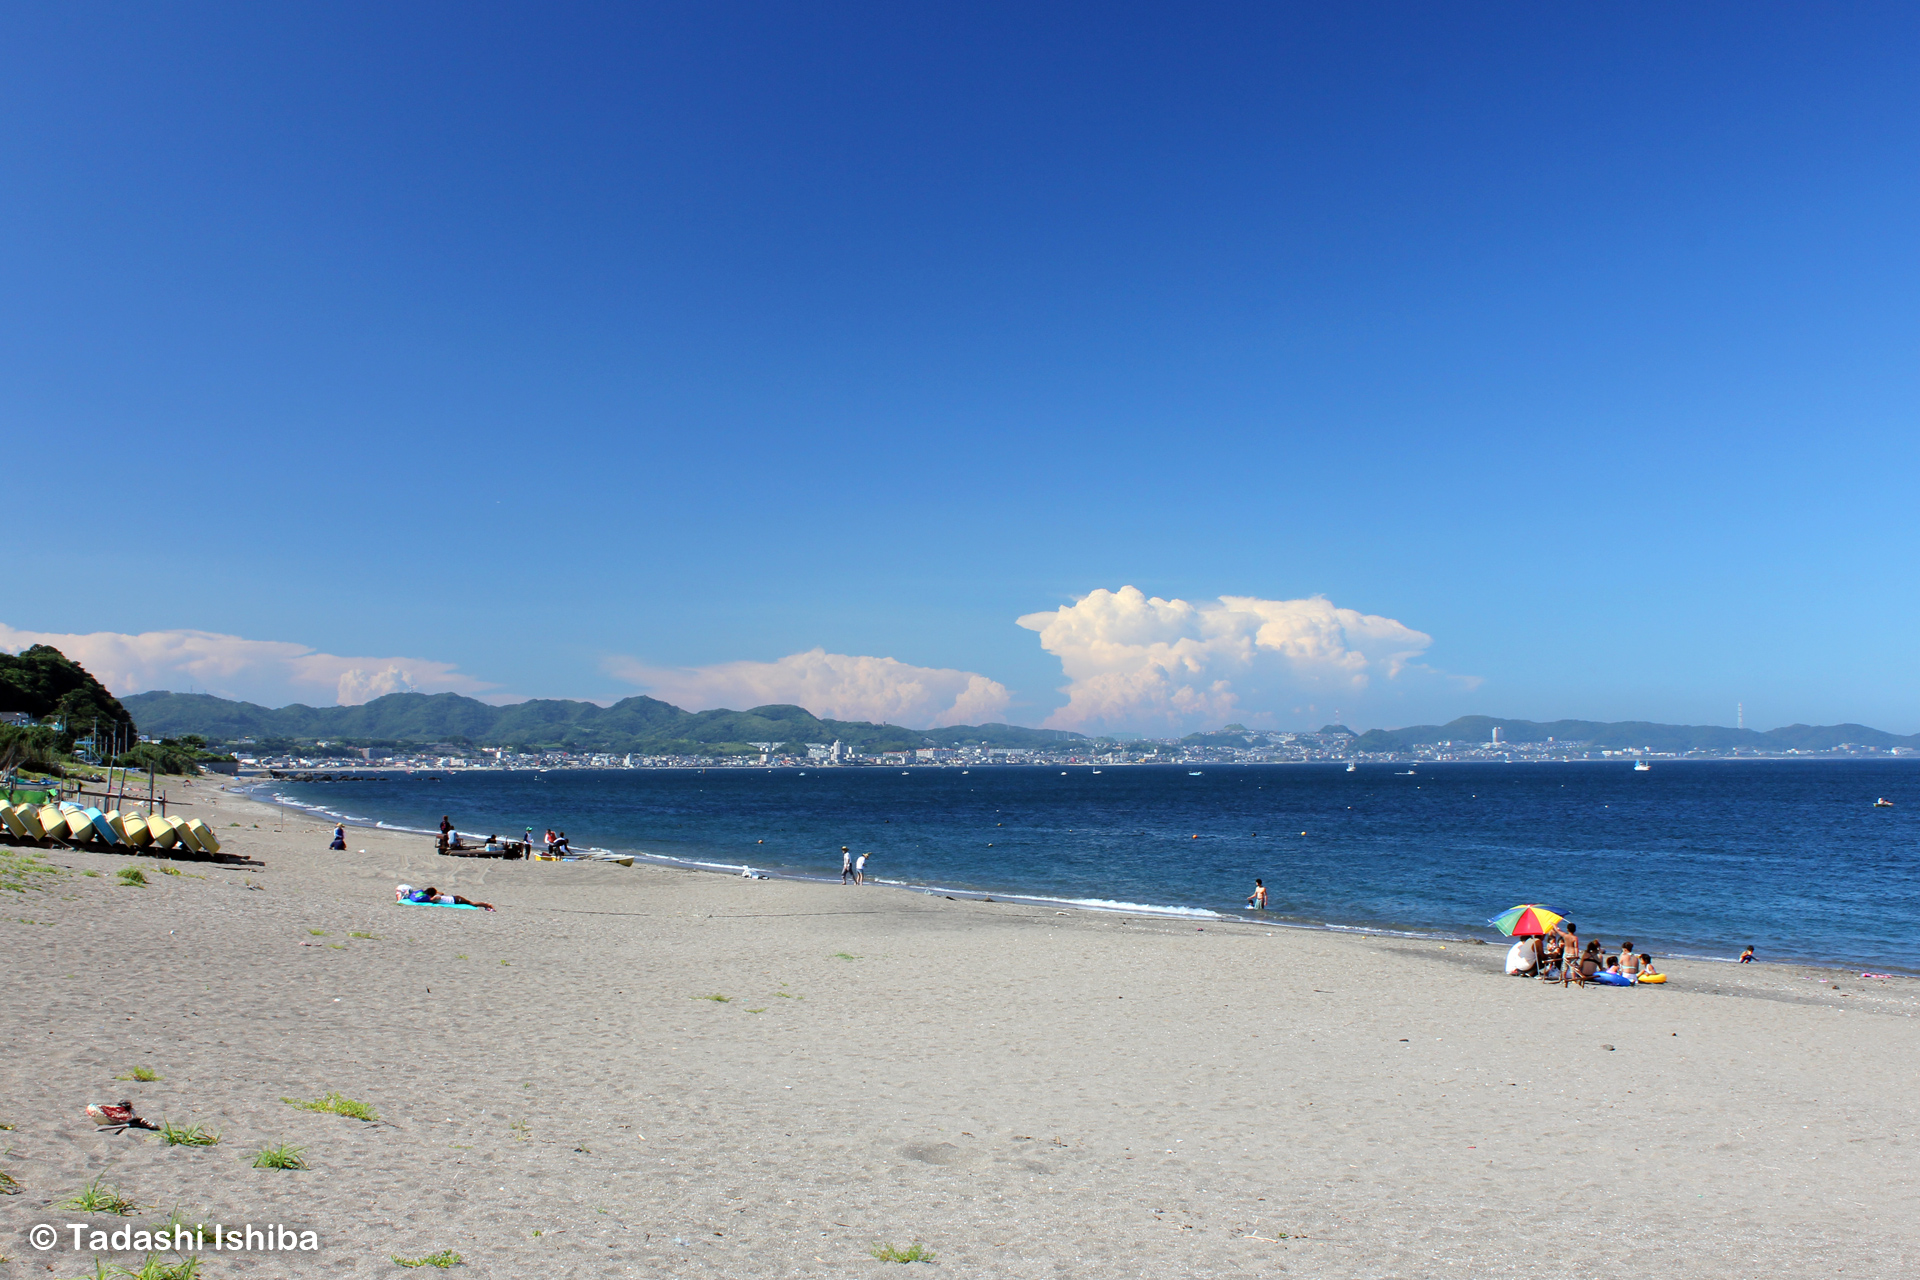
x=1108 y=369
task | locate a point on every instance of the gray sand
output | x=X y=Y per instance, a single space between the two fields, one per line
x=1029 y=1093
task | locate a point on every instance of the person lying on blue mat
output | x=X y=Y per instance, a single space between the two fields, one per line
x=431 y=895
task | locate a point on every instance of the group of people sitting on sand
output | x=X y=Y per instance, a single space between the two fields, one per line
x=1560 y=957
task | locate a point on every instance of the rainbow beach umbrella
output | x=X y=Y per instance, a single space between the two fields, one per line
x=1525 y=921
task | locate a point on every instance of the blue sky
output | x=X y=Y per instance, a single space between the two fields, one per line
x=581 y=351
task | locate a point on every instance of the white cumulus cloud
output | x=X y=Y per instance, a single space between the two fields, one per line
x=272 y=672
x=834 y=686
x=1132 y=660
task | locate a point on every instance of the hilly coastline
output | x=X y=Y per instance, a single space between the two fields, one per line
x=642 y=725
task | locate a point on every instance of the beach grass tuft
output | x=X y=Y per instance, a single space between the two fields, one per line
x=9 y=1185
x=178 y=1220
x=280 y=1157
x=168 y=871
x=355 y=933
x=144 y=1075
x=153 y=1269
x=915 y=1252
x=842 y=955
x=192 y=1135
x=318 y=933
x=21 y=871
x=96 y=1198
x=337 y=1105
x=443 y=1259
x=716 y=997
x=131 y=875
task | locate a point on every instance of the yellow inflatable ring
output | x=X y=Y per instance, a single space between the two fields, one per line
x=1653 y=977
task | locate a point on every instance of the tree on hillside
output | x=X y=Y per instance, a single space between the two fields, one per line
x=42 y=682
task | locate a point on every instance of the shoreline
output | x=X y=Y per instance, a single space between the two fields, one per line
x=251 y=787
x=1078 y=904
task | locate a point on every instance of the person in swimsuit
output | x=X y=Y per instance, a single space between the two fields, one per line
x=1590 y=959
x=1746 y=957
x=430 y=894
x=1629 y=960
x=1259 y=899
x=1646 y=965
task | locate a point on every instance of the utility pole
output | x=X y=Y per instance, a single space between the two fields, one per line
x=1740 y=715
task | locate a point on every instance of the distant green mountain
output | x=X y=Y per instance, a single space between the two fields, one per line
x=643 y=725
x=1633 y=733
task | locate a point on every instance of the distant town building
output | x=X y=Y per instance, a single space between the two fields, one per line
x=1496 y=735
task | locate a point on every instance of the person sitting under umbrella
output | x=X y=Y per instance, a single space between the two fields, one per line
x=1523 y=958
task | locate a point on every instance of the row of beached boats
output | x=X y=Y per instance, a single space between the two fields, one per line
x=76 y=825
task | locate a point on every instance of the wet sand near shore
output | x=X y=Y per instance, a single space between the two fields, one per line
x=1029 y=1092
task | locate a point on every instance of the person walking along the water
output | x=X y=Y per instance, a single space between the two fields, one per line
x=846 y=864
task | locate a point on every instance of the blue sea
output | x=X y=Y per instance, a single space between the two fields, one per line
x=1692 y=858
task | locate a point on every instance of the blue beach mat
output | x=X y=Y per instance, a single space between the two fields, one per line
x=457 y=906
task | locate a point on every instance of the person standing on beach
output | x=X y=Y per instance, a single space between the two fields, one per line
x=1259 y=899
x=846 y=864
x=860 y=869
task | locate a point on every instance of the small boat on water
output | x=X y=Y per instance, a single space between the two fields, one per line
x=1883 y=803
x=1193 y=773
x=1641 y=766
x=1352 y=766
x=1408 y=774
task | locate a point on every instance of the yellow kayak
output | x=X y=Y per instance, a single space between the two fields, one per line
x=204 y=834
x=79 y=825
x=161 y=832
x=183 y=828
x=134 y=828
x=15 y=827
x=53 y=823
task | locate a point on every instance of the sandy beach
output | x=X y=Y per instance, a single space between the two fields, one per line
x=1029 y=1093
